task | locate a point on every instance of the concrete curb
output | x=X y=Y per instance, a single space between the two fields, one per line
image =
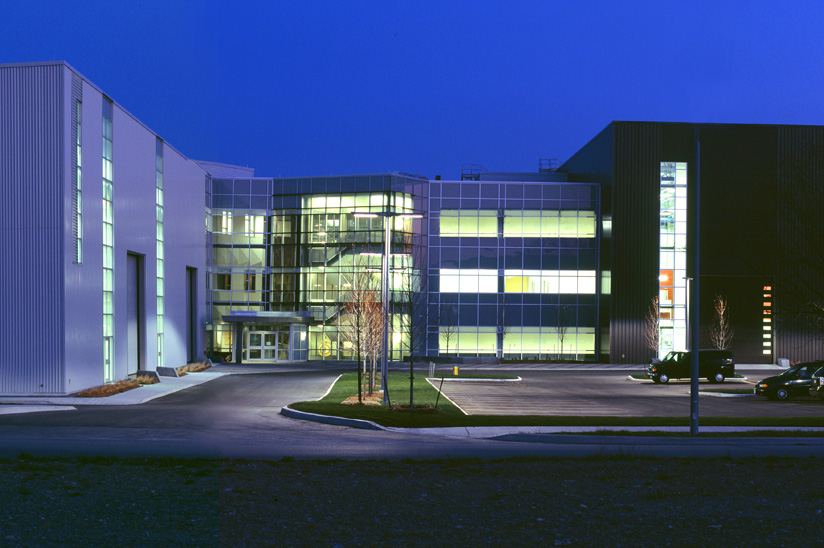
x=723 y=395
x=330 y=419
x=18 y=409
x=498 y=432
x=136 y=396
x=430 y=380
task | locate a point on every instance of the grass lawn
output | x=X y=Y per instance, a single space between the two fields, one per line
x=449 y=415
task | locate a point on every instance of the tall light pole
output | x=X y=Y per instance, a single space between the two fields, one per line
x=387 y=256
x=696 y=273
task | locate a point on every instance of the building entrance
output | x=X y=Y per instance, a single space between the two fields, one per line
x=269 y=346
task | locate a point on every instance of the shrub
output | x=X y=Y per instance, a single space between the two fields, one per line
x=195 y=367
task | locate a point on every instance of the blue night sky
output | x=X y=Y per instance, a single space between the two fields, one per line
x=341 y=87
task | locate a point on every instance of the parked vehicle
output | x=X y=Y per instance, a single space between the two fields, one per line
x=817 y=386
x=798 y=380
x=713 y=365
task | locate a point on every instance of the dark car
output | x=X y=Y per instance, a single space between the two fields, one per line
x=714 y=365
x=795 y=381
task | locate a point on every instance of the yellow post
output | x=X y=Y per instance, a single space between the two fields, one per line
x=455 y=370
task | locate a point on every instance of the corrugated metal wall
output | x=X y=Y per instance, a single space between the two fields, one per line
x=799 y=285
x=635 y=213
x=31 y=243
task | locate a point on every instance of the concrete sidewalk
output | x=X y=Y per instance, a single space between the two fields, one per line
x=497 y=432
x=148 y=392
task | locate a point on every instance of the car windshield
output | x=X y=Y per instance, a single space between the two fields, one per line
x=792 y=370
x=673 y=357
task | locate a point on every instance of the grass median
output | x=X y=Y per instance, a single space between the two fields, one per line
x=447 y=415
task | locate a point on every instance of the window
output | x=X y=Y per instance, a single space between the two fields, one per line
x=549 y=224
x=468 y=281
x=160 y=248
x=672 y=274
x=77 y=198
x=457 y=223
x=108 y=245
x=549 y=281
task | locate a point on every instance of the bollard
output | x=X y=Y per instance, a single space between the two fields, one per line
x=455 y=370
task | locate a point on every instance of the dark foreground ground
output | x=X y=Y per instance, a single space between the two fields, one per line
x=593 y=502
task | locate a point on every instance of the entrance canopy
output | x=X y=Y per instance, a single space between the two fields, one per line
x=272 y=318
x=269 y=336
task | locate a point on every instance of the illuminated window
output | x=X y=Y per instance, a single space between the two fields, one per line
x=672 y=256
x=549 y=224
x=458 y=223
x=550 y=281
x=108 y=244
x=160 y=246
x=468 y=281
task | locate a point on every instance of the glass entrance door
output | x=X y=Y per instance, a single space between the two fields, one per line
x=269 y=346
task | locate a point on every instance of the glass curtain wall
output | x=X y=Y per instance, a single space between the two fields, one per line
x=513 y=269
x=240 y=224
x=161 y=283
x=672 y=285
x=305 y=250
x=341 y=253
x=108 y=245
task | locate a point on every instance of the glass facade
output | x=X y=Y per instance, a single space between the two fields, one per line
x=108 y=246
x=513 y=269
x=299 y=245
x=672 y=285
x=77 y=197
x=160 y=249
x=500 y=268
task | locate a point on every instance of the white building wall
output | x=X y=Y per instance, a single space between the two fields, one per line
x=83 y=290
x=185 y=234
x=133 y=160
x=51 y=309
x=31 y=183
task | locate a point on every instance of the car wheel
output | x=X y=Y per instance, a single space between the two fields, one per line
x=718 y=377
x=782 y=394
x=663 y=378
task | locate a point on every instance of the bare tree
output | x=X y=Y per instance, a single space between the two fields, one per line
x=413 y=305
x=563 y=327
x=448 y=323
x=652 y=327
x=721 y=332
x=357 y=317
x=374 y=337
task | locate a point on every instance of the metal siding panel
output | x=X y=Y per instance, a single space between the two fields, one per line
x=31 y=184
x=635 y=236
x=800 y=276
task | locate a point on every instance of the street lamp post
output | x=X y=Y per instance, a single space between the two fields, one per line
x=387 y=255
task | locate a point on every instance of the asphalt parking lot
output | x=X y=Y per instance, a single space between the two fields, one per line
x=611 y=393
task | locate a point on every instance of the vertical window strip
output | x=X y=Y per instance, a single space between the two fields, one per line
x=77 y=195
x=108 y=246
x=672 y=273
x=160 y=250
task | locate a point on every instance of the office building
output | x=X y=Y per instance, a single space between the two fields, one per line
x=113 y=269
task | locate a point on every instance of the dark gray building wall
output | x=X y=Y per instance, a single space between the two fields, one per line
x=760 y=188
x=799 y=287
